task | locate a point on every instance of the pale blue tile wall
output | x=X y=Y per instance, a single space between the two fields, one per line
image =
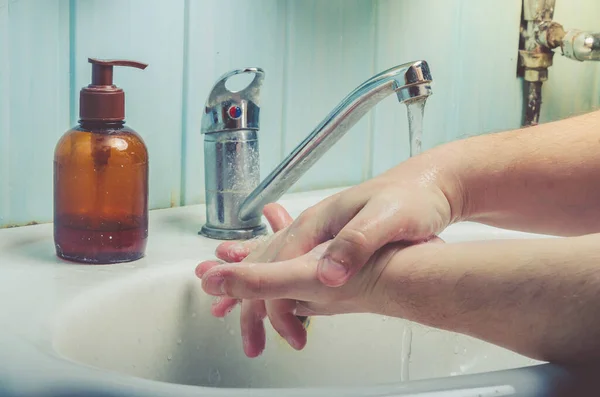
x=314 y=52
x=151 y=32
x=34 y=94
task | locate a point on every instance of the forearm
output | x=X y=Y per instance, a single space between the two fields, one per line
x=543 y=179
x=540 y=298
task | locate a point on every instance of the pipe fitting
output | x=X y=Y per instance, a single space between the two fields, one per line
x=535 y=64
x=536 y=60
x=535 y=75
x=550 y=34
x=581 y=46
x=538 y=10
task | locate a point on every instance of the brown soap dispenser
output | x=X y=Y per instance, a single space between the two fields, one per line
x=101 y=178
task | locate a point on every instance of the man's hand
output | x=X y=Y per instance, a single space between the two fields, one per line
x=409 y=204
x=272 y=282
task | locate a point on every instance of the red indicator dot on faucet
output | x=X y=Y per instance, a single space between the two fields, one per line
x=235 y=112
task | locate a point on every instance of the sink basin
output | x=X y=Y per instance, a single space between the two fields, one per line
x=143 y=329
x=157 y=325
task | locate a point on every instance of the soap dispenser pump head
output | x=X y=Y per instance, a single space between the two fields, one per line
x=102 y=100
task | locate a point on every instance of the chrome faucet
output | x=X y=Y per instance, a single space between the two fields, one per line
x=230 y=124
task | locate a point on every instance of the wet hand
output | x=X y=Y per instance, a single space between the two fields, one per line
x=295 y=282
x=407 y=204
x=411 y=203
x=262 y=288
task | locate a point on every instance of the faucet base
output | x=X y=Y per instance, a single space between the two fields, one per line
x=233 y=234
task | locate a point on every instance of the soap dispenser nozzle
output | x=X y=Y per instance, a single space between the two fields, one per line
x=102 y=100
x=102 y=70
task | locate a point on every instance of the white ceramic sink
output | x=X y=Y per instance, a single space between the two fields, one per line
x=144 y=329
x=158 y=326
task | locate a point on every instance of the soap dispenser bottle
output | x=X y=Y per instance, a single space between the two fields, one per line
x=101 y=178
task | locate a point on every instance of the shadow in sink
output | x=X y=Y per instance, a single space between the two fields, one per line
x=157 y=325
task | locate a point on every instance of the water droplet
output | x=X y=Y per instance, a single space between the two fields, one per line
x=179 y=341
x=214 y=377
x=169 y=357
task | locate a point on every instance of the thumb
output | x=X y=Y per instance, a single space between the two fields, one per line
x=370 y=229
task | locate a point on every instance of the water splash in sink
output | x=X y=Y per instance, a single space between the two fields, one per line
x=214 y=377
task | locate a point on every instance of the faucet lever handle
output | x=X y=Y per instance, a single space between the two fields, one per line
x=227 y=110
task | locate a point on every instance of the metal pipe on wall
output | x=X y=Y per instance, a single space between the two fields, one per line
x=540 y=35
x=534 y=58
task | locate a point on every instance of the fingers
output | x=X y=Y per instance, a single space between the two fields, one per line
x=281 y=312
x=253 y=311
x=252 y=327
x=223 y=306
x=237 y=251
x=318 y=224
x=205 y=266
x=277 y=216
x=293 y=279
x=282 y=315
x=378 y=223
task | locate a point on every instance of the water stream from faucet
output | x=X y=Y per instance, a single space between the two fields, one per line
x=416 y=111
x=405 y=354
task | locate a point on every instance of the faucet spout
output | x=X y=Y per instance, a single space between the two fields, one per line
x=410 y=82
